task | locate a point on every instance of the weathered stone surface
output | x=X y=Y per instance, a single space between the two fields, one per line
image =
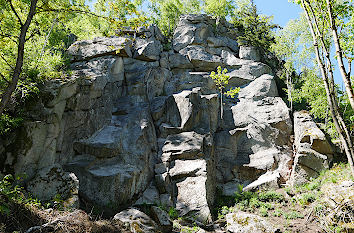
x=111 y=176
x=186 y=145
x=244 y=72
x=193 y=198
x=185 y=168
x=149 y=197
x=306 y=131
x=313 y=151
x=248 y=223
x=147 y=49
x=52 y=181
x=179 y=61
x=222 y=41
x=137 y=221
x=88 y=49
x=201 y=60
x=162 y=218
x=249 y=53
x=192 y=29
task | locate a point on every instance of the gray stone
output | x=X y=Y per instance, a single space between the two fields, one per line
x=53 y=181
x=248 y=223
x=249 y=53
x=313 y=151
x=185 y=168
x=147 y=49
x=136 y=221
x=223 y=42
x=201 y=60
x=186 y=145
x=162 y=218
x=179 y=61
x=149 y=197
x=193 y=199
x=306 y=131
x=98 y=47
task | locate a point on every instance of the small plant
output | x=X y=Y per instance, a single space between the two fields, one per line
x=293 y=215
x=307 y=198
x=271 y=196
x=172 y=212
x=263 y=211
x=221 y=80
x=278 y=213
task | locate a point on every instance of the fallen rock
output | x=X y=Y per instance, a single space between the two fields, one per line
x=136 y=221
x=248 y=223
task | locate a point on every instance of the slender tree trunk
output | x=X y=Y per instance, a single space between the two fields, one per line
x=19 y=61
x=334 y=109
x=339 y=52
x=221 y=105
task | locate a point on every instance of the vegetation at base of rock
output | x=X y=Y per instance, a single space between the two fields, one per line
x=19 y=212
x=313 y=203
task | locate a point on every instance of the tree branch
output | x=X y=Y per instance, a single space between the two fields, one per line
x=4 y=78
x=12 y=68
x=19 y=61
x=15 y=12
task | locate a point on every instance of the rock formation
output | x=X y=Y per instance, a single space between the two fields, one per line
x=138 y=125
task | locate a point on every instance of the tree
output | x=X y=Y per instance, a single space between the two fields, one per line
x=165 y=13
x=221 y=80
x=219 y=8
x=338 y=13
x=21 y=40
x=319 y=27
x=256 y=29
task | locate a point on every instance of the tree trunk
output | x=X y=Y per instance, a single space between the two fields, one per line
x=221 y=105
x=339 y=52
x=334 y=110
x=19 y=61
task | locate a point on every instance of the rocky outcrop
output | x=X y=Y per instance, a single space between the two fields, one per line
x=313 y=151
x=140 y=126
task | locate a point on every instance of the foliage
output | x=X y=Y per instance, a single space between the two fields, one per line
x=165 y=13
x=220 y=78
x=219 y=8
x=10 y=192
x=120 y=14
x=256 y=29
x=172 y=212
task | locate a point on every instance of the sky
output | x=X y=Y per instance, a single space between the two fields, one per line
x=282 y=10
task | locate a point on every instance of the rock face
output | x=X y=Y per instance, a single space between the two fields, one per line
x=313 y=151
x=138 y=125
